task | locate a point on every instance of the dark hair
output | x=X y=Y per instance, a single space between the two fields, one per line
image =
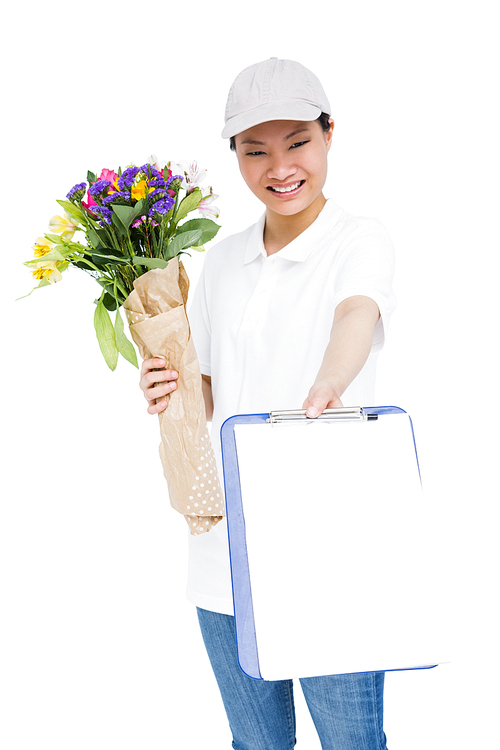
x=322 y=119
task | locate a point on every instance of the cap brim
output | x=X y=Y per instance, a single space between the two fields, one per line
x=284 y=110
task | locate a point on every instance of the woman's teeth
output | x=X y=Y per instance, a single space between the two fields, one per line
x=286 y=189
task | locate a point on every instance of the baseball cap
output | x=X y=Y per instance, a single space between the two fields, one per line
x=273 y=90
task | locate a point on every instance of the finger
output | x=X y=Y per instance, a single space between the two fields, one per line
x=154 y=408
x=158 y=376
x=158 y=391
x=153 y=363
x=316 y=407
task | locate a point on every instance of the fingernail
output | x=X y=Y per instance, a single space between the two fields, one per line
x=312 y=411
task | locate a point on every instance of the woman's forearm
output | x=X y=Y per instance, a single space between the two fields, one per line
x=347 y=351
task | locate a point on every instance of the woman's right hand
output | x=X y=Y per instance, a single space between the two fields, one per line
x=157 y=382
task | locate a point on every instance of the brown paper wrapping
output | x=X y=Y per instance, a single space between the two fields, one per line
x=159 y=326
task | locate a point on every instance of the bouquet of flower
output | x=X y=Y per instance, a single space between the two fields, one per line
x=133 y=221
x=135 y=228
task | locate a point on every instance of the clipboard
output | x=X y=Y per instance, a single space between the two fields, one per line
x=328 y=528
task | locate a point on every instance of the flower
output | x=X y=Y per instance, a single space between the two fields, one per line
x=161 y=207
x=48 y=271
x=127 y=178
x=139 y=190
x=103 y=213
x=77 y=192
x=116 y=196
x=65 y=227
x=194 y=176
x=108 y=174
x=100 y=186
x=205 y=207
x=42 y=246
x=90 y=204
x=159 y=165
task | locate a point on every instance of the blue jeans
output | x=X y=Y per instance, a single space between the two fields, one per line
x=347 y=709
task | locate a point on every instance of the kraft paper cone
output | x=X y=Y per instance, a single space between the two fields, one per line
x=159 y=326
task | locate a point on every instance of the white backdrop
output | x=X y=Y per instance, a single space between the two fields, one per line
x=99 y=646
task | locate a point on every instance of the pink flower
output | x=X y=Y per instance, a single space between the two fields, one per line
x=91 y=202
x=108 y=174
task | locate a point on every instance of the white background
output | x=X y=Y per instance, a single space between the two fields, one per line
x=99 y=647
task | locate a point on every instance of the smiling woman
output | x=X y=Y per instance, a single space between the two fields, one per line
x=286 y=174
x=291 y=310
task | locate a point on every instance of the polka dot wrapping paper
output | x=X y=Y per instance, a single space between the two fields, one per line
x=159 y=326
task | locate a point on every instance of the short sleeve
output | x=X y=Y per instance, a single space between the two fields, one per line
x=366 y=267
x=199 y=321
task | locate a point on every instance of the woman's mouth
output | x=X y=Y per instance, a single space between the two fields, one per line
x=285 y=190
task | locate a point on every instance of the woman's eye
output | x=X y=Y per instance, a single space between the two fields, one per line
x=254 y=153
x=300 y=143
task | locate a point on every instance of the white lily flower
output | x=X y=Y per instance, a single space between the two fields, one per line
x=156 y=163
x=207 y=209
x=194 y=176
x=178 y=168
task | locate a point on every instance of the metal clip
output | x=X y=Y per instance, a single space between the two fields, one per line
x=298 y=416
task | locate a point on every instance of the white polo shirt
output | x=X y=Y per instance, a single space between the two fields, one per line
x=261 y=325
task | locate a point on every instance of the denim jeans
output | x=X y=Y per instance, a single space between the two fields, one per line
x=347 y=709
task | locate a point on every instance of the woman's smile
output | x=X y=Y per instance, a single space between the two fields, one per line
x=283 y=191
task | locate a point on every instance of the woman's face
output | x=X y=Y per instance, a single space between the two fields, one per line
x=284 y=163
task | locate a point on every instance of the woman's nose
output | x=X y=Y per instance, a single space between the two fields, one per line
x=281 y=168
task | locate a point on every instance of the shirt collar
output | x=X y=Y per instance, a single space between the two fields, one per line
x=301 y=247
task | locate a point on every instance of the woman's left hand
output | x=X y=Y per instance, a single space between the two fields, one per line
x=321 y=396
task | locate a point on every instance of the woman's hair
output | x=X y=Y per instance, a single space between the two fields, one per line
x=322 y=119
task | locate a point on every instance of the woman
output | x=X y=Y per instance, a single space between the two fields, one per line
x=290 y=311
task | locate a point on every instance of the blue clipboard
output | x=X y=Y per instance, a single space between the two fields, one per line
x=313 y=649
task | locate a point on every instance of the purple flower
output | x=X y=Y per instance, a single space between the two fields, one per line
x=150 y=172
x=99 y=187
x=127 y=178
x=174 y=177
x=157 y=194
x=143 y=220
x=123 y=196
x=77 y=192
x=161 y=207
x=103 y=213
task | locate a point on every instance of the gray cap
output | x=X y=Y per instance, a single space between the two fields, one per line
x=273 y=90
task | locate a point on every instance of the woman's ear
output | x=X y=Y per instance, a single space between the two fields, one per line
x=329 y=134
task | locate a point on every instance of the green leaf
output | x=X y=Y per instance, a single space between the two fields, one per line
x=73 y=211
x=208 y=228
x=54 y=254
x=96 y=240
x=120 y=226
x=43 y=282
x=188 y=203
x=100 y=258
x=128 y=214
x=182 y=240
x=55 y=238
x=91 y=177
x=105 y=335
x=137 y=260
x=109 y=302
x=125 y=347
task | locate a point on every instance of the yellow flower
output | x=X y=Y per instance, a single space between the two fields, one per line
x=42 y=246
x=65 y=227
x=48 y=271
x=139 y=191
